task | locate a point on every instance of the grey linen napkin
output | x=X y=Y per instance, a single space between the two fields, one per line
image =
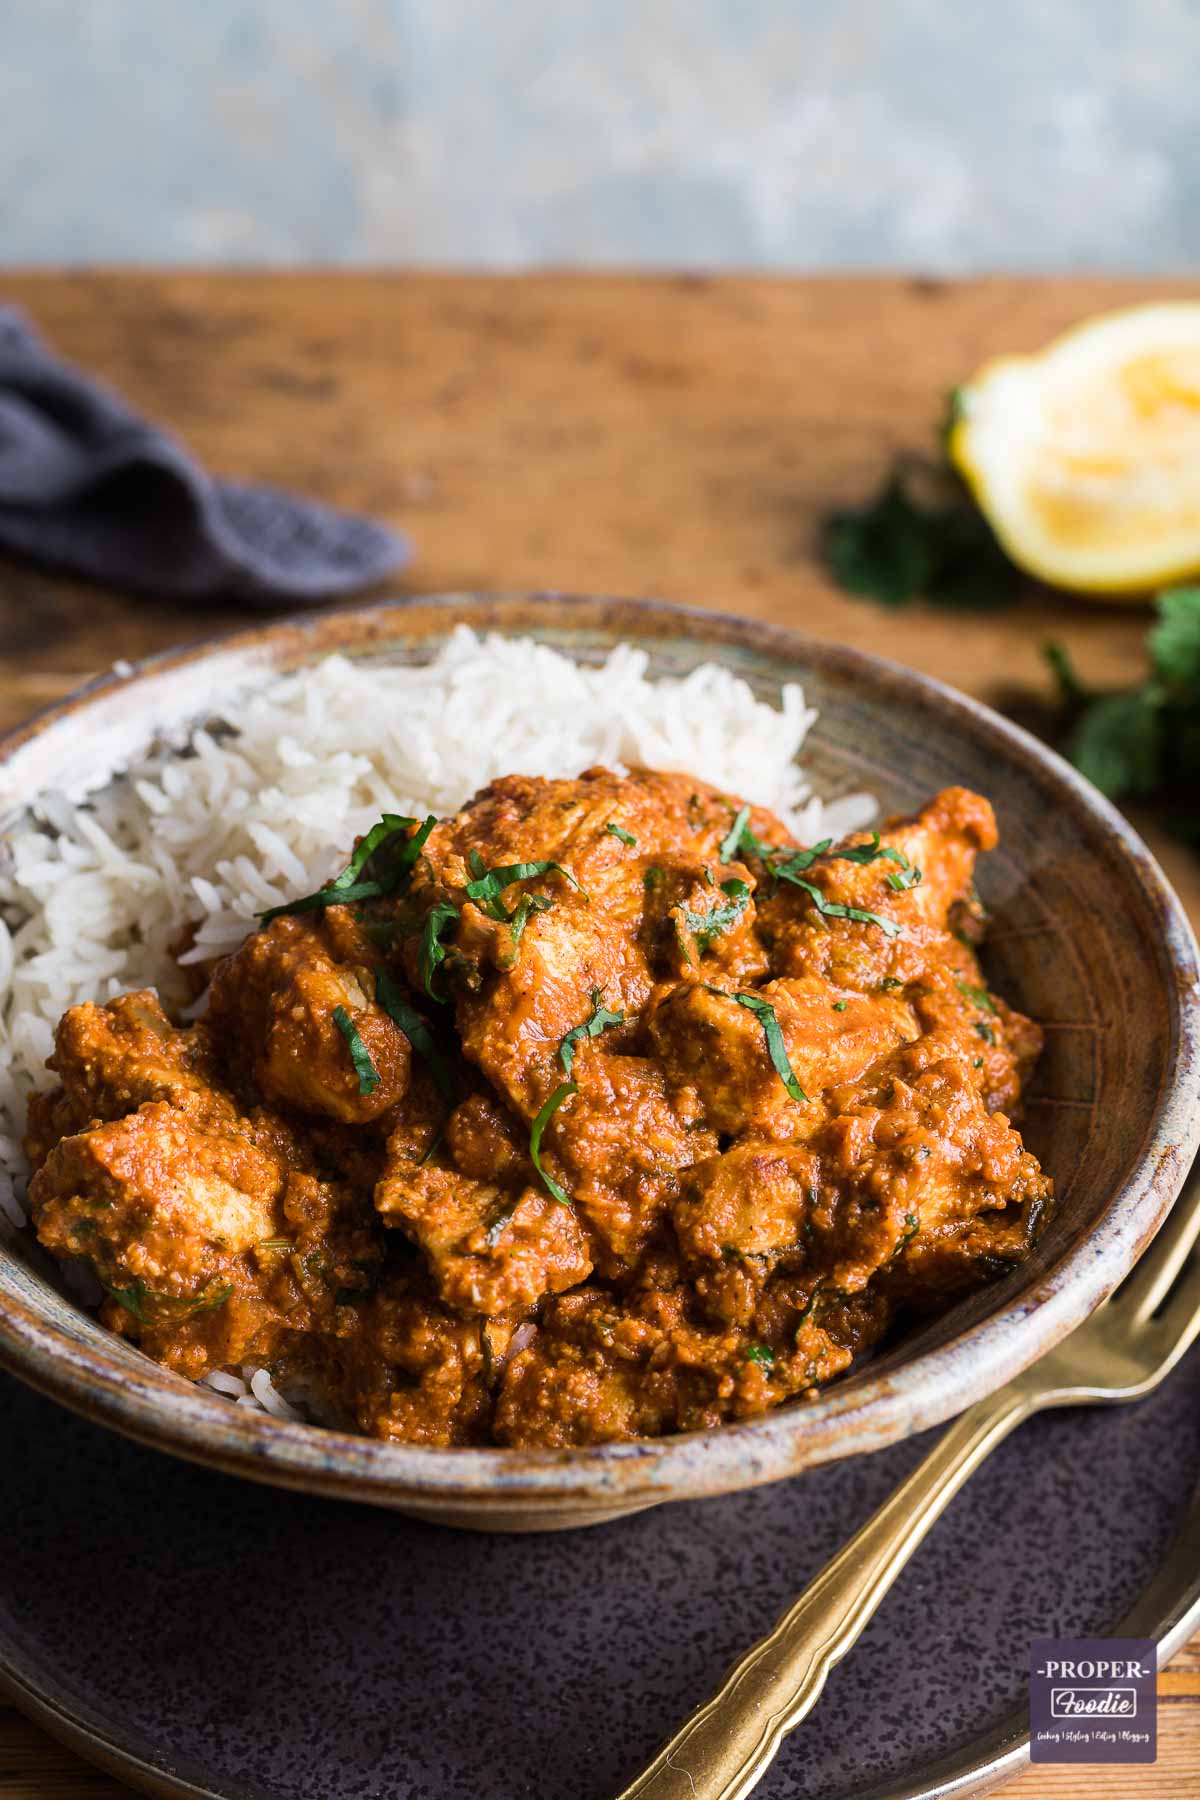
x=87 y=486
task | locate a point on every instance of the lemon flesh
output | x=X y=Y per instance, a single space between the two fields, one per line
x=1085 y=459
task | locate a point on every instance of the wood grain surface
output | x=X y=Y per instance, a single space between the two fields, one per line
x=675 y=436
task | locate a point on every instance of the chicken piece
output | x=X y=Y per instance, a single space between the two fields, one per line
x=489 y=1249
x=160 y=1210
x=113 y=1058
x=594 y=930
x=288 y=1013
x=754 y=1202
x=919 y=897
x=912 y=1170
x=212 y=1250
x=720 y=1047
x=617 y=1145
x=958 y=1016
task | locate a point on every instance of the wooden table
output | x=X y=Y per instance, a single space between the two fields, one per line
x=677 y=436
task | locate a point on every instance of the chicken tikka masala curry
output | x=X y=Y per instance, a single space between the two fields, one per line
x=597 y=1111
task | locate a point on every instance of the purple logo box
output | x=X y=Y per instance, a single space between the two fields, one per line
x=1093 y=1700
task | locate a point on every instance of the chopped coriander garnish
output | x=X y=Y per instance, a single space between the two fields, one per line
x=862 y=854
x=432 y=953
x=619 y=831
x=601 y=1018
x=980 y=996
x=762 y=1354
x=890 y=982
x=839 y=1006
x=417 y=1032
x=978 y=1063
x=488 y=885
x=833 y=909
x=360 y=1056
x=535 y=1139
x=776 y=1048
x=705 y=926
x=526 y=906
x=133 y=1299
x=907 y=878
x=731 y=843
x=380 y=864
x=652 y=878
x=739 y=838
x=911 y=1227
x=985 y=1032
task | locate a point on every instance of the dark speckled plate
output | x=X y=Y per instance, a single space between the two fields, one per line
x=188 y=1628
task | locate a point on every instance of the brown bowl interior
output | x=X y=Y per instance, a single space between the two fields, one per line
x=1086 y=936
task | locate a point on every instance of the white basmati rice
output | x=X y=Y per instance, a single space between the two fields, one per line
x=249 y=812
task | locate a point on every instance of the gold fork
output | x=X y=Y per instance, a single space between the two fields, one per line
x=1122 y=1352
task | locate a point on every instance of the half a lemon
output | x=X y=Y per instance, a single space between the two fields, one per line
x=1085 y=459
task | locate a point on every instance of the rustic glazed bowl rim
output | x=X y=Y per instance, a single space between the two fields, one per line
x=156 y=1408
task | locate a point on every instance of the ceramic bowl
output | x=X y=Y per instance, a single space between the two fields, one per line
x=1087 y=936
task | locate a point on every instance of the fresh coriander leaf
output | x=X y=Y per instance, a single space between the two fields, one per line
x=1174 y=642
x=133 y=1299
x=833 y=909
x=1070 y=687
x=739 y=840
x=871 y=852
x=1118 y=743
x=381 y=863
x=619 y=831
x=599 y=1021
x=776 y=1048
x=901 y=882
x=839 y=1006
x=360 y=1056
x=488 y=885
x=731 y=843
x=985 y=1032
x=417 y=1032
x=895 y=549
x=705 y=926
x=889 y=984
x=909 y=875
x=432 y=952
x=762 y=1354
x=535 y=1139
x=526 y=906
x=883 y=550
x=978 y=995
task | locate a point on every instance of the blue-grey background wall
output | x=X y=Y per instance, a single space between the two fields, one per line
x=945 y=134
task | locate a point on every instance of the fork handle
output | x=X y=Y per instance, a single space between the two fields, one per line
x=726 y=1747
